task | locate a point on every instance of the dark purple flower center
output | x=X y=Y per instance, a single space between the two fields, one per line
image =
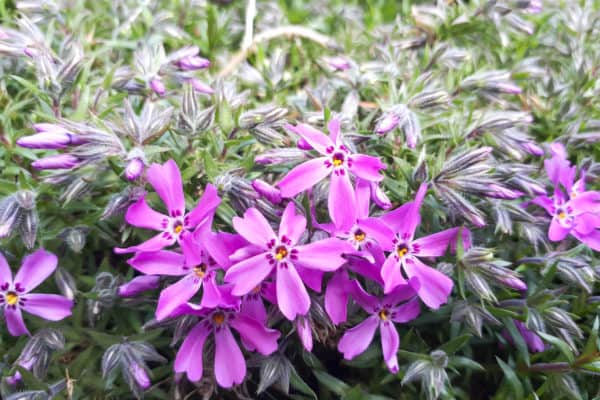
x=218 y=318
x=359 y=235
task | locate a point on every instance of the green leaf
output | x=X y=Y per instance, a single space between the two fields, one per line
x=455 y=344
x=297 y=383
x=331 y=382
x=512 y=379
x=560 y=344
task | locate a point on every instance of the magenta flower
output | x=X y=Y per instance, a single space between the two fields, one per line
x=337 y=161
x=230 y=365
x=138 y=285
x=166 y=181
x=532 y=340
x=280 y=253
x=406 y=251
x=574 y=210
x=59 y=161
x=15 y=295
x=384 y=311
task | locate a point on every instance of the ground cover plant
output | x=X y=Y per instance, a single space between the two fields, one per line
x=299 y=199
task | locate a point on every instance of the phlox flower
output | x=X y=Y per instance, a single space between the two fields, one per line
x=406 y=251
x=166 y=181
x=337 y=162
x=229 y=362
x=399 y=306
x=16 y=296
x=282 y=254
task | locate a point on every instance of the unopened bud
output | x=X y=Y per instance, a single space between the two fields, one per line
x=158 y=87
x=267 y=191
x=138 y=285
x=61 y=161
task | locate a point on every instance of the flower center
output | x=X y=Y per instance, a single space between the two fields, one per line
x=401 y=250
x=256 y=290
x=337 y=159
x=280 y=253
x=359 y=235
x=218 y=318
x=562 y=215
x=384 y=314
x=178 y=227
x=12 y=298
x=200 y=271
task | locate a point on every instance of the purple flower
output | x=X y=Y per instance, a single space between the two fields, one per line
x=280 y=253
x=192 y=63
x=406 y=251
x=574 y=210
x=60 y=161
x=384 y=311
x=166 y=181
x=230 y=366
x=336 y=161
x=15 y=295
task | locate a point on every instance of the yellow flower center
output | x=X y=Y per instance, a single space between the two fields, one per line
x=256 y=290
x=12 y=298
x=359 y=235
x=573 y=194
x=401 y=251
x=200 y=271
x=562 y=215
x=281 y=253
x=338 y=159
x=218 y=318
x=384 y=315
x=178 y=228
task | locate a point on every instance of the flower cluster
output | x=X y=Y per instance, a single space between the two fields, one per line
x=225 y=279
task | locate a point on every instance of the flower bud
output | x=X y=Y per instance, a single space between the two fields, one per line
x=302 y=144
x=280 y=156
x=192 y=63
x=267 y=191
x=140 y=375
x=158 y=87
x=337 y=63
x=200 y=86
x=49 y=140
x=138 y=285
x=387 y=123
x=61 y=161
x=379 y=197
x=65 y=283
x=134 y=168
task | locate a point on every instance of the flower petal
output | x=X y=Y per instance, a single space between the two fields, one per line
x=230 y=366
x=435 y=287
x=211 y=295
x=557 y=232
x=435 y=245
x=304 y=332
x=263 y=339
x=5 y=272
x=247 y=274
x=407 y=311
x=155 y=243
x=366 y=167
x=342 y=201
x=177 y=294
x=166 y=180
x=303 y=176
x=35 y=269
x=391 y=274
x=253 y=307
x=356 y=340
x=48 y=306
x=324 y=255
x=333 y=127
x=336 y=297
x=378 y=230
x=368 y=302
x=592 y=240
x=159 y=263
x=317 y=139
x=139 y=214
x=292 y=296
x=292 y=225
x=390 y=342
x=254 y=227
x=205 y=208
x=396 y=218
x=14 y=321
x=190 y=354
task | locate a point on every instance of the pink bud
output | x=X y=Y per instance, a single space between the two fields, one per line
x=338 y=63
x=304 y=333
x=50 y=140
x=532 y=148
x=201 y=87
x=61 y=161
x=303 y=144
x=514 y=283
x=387 y=123
x=267 y=191
x=138 y=285
x=134 y=169
x=379 y=197
x=158 y=86
x=140 y=375
x=191 y=63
